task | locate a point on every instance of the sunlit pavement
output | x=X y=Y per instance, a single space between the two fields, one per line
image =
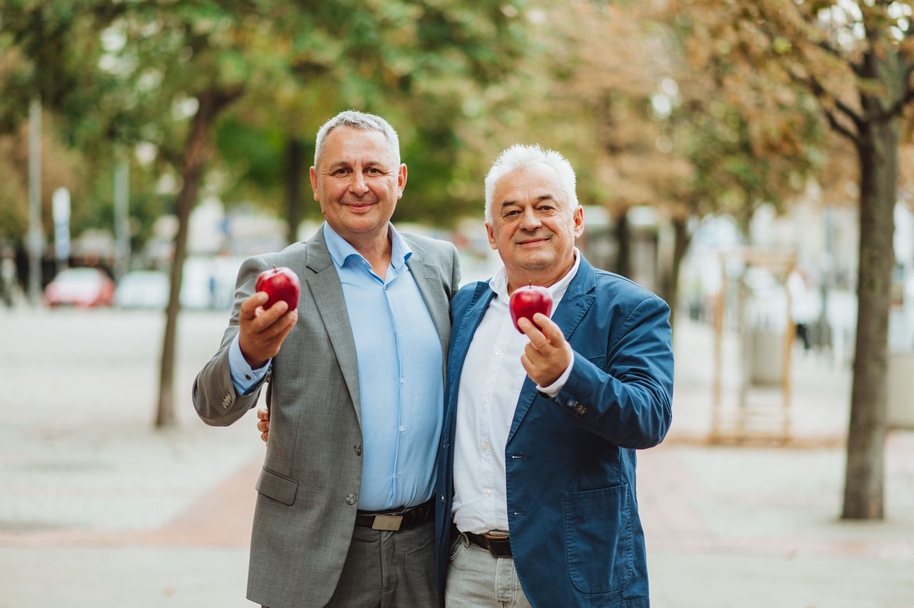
x=97 y=508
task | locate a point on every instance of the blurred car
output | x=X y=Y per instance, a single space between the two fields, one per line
x=142 y=289
x=81 y=287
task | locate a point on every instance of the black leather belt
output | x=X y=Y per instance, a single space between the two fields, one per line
x=496 y=544
x=397 y=520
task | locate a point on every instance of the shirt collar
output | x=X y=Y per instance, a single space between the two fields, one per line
x=499 y=281
x=340 y=249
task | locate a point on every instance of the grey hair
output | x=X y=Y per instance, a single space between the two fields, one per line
x=520 y=156
x=358 y=120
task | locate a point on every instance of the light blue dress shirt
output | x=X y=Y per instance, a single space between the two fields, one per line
x=400 y=381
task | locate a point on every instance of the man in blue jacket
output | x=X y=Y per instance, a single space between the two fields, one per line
x=536 y=501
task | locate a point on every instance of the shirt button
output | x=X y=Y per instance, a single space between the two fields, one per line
x=485 y=399
x=402 y=380
x=488 y=492
x=350 y=499
x=402 y=429
x=485 y=447
x=497 y=351
x=247 y=377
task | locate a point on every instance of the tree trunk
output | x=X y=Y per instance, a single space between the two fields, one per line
x=293 y=187
x=877 y=146
x=623 y=246
x=196 y=152
x=671 y=282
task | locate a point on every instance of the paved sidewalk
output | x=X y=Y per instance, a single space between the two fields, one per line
x=96 y=508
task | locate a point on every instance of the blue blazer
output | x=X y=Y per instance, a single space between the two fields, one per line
x=576 y=535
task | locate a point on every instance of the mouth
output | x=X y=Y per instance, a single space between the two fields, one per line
x=360 y=206
x=531 y=242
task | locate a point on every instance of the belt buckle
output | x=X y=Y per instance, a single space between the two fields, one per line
x=387 y=523
x=495 y=546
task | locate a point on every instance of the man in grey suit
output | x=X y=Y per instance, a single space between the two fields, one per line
x=355 y=387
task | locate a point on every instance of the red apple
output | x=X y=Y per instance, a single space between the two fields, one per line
x=527 y=301
x=279 y=284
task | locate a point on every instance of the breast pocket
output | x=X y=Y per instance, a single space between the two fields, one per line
x=598 y=537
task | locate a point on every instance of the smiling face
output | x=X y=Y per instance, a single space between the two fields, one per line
x=532 y=227
x=357 y=184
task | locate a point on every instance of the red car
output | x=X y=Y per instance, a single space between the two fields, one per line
x=81 y=287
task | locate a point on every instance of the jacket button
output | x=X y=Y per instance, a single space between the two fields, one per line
x=350 y=499
x=358 y=449
x=442 y=500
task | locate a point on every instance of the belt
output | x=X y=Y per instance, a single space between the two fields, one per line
x=498 y=545
x=397 y=520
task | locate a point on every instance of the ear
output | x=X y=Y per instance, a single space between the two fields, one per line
x=314 y=182
x=492 y=243
x=578 y=217
x=401 y=181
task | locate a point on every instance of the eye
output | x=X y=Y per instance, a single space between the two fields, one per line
x=373 y=171
x=341 y=172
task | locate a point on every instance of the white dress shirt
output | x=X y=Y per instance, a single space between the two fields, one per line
x=490 y=385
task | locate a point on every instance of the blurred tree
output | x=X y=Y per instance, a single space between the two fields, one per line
x=611 y=85
x=856 y=59
x=164 y=75
x=421 y=64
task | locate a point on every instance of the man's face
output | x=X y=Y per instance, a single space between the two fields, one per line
x=357 y=183
x=532 y=227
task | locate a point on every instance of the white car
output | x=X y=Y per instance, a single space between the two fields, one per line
x=142 y=289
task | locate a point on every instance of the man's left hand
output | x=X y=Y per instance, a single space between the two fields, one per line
x=548 y=354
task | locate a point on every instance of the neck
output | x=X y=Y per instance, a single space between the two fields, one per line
x=377 y=249
x=541 y=277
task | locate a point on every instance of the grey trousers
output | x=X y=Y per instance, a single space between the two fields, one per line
x=389 y=570
x=475 y=579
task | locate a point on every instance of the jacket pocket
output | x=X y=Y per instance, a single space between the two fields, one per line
x=277 y=487
x=598 y=539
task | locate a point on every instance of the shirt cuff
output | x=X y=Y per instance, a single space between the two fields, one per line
x=243 y=377
x=553 y=389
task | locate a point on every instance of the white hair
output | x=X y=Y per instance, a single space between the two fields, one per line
x=520 y=156
x=358 y=120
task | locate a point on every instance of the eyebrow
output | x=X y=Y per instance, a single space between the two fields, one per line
x=539 y=199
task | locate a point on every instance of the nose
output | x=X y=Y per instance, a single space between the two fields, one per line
x=529 y=220
x=357 y=184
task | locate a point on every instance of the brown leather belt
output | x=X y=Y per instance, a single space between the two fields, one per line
x=397 y=520
x=497 y=545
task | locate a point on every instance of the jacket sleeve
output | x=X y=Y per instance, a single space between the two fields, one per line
x=626 y=396
x=217 y=401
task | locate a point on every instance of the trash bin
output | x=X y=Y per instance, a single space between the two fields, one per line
x=767 y=355
x=901 y=397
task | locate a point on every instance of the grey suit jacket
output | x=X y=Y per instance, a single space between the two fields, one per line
x=309 y=487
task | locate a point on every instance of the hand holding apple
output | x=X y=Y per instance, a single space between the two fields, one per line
x=547 y=354
x=267 y=316
x=527 y=301
x=279 y=284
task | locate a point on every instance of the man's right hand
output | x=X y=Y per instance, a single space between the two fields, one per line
x=263 y=331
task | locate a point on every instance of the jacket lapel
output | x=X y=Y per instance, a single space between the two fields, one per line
x=578 y=299
x=429 y=284
x=327 y=292
x=461 y=337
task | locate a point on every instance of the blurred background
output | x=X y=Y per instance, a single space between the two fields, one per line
x=751 y=163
